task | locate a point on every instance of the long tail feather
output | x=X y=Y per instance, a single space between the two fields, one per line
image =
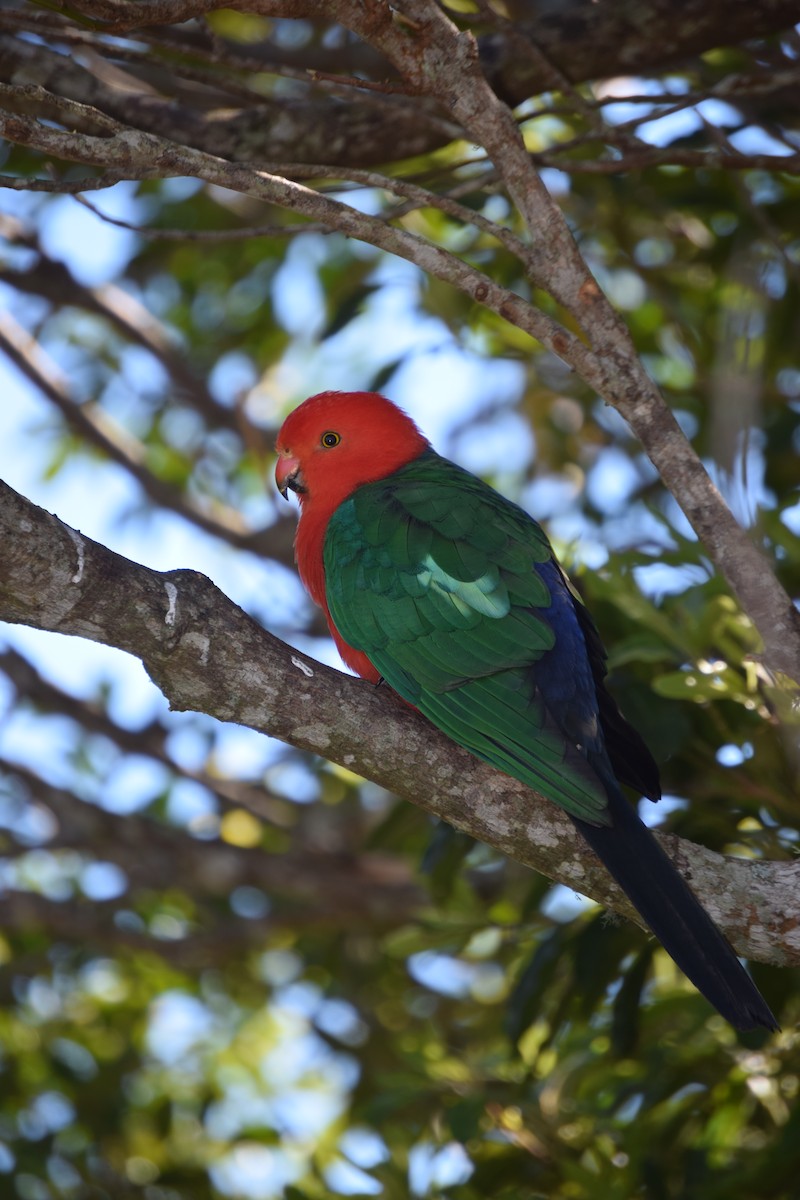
x=634 y=857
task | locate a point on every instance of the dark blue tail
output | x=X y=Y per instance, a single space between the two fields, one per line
x=655 y=887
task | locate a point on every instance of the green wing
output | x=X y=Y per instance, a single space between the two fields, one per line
x=448 y=588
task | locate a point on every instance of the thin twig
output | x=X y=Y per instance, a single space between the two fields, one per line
x=99 y=431
x=205 y=235
x=60 y=186
x=385 y=87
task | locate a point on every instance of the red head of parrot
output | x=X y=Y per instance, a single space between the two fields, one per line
x=329 y=446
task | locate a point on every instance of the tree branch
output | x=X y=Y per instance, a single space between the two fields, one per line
x=581 y=39
x=99 y=431
x=90 y=923
x=207 y=655
x=152 y=741
x=372 y=886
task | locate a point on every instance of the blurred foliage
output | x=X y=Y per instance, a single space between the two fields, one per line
x=177 y=1026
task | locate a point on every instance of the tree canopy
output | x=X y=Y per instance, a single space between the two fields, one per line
x=265 y=932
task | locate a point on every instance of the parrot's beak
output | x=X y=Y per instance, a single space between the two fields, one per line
x=287 y=475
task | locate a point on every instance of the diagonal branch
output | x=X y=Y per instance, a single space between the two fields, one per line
x=55 y=281
x=207 y=655
x=99 y=431
x=152 y=740
x=342 y=887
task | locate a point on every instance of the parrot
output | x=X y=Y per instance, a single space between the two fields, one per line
x=435 y=584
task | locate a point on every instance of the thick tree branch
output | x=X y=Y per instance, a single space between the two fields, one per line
x=207 y=655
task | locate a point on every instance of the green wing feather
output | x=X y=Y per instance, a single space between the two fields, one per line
x=434 y=576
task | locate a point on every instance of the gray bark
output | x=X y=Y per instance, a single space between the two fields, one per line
x=207 y=655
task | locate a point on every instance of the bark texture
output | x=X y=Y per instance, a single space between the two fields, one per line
x=206 y=654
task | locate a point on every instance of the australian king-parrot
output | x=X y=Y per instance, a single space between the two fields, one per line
x=434 y=582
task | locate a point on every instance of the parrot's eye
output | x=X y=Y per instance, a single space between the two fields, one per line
x=330 y=439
